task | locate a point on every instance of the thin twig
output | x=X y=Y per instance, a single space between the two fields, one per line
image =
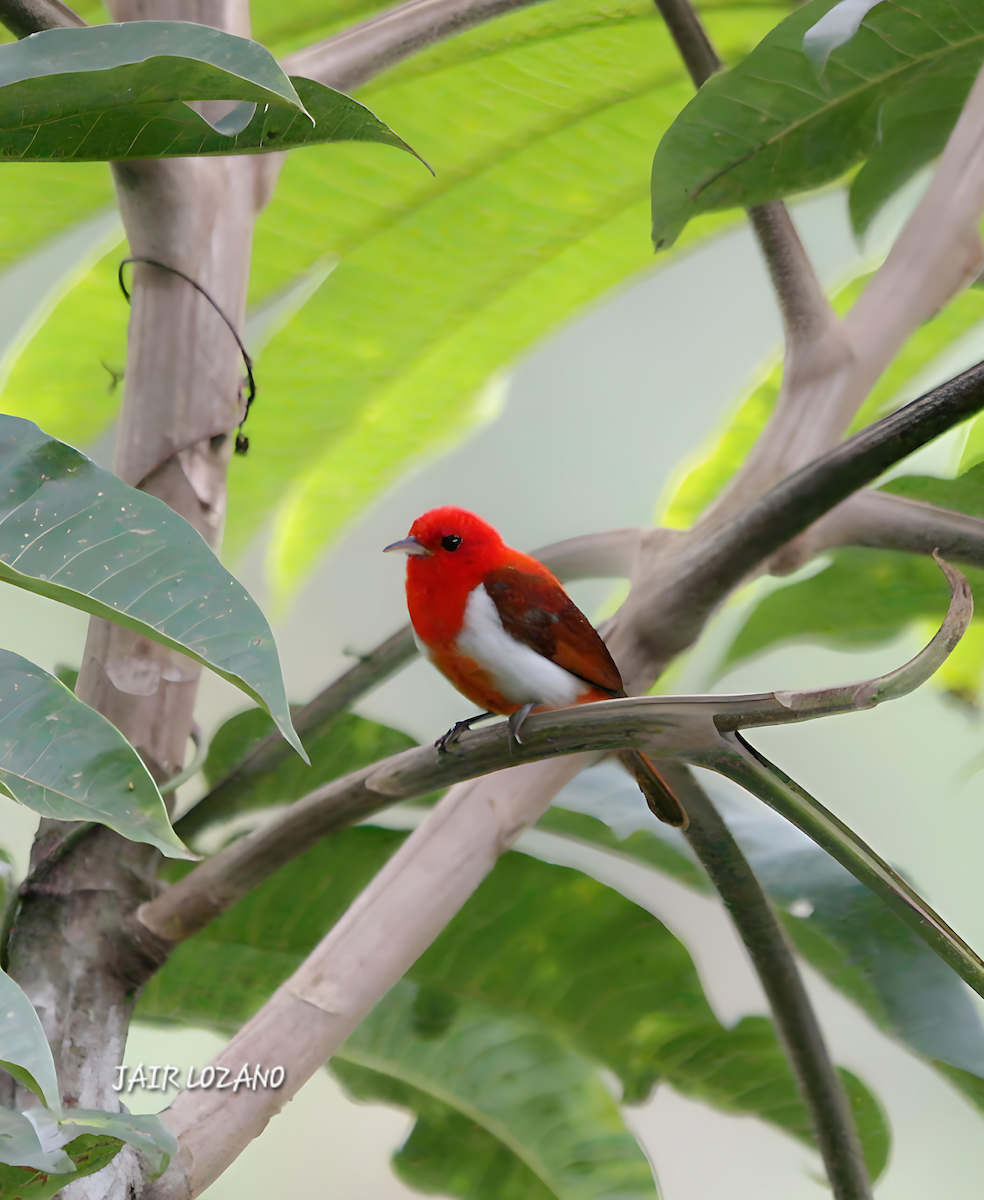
x=883 y=521
x=24 y=17
x=698 y=54
x=796 y=1023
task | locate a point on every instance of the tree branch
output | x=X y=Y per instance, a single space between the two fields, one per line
x=772 y=956
x=435 y=871
x=24 y=17
x=591 y=556
x=351 y=58
x=672 y=597
x=698 y=54
x=885 y=521
x=663 y=725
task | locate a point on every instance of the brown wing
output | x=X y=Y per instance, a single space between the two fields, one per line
x=539 y=613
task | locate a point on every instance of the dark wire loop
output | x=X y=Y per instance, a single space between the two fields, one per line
x=242 y=442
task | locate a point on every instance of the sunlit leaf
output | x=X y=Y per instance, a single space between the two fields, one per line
x=64 y=760
x=74 y=532
x=773 y=126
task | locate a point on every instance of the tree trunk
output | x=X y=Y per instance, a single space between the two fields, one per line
x=183 y=400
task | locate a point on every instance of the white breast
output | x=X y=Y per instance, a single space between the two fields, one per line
x=519 y=673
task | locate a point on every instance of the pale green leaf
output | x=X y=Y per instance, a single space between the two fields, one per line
x=87 y=1153
x=73 y=532
x=65 y=761
x=24 y=1050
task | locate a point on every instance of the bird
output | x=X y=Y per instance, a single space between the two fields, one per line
x=500 y=627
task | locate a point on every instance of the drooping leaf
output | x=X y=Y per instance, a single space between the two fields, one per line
x=173 y=130
x=445 y=1152
x=63 y=90
x=24 y=1050
x=64 y=760
x=87 y=1152
x=537 y=943
x=773 y=126
x=350 y=743
x=728 y=1070
x=837 y=924
x=74 y=532
x=542 y=1102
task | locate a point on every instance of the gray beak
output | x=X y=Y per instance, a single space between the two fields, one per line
x=409 y=544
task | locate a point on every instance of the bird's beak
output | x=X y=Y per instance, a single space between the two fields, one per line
x=409 y=544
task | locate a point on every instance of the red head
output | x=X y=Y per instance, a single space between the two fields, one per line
x=449 y=551
x=451 y=540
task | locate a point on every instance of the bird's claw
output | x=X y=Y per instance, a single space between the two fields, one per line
x=515 y=724
x=455 y=732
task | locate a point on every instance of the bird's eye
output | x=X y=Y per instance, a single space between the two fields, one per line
x=451 y=542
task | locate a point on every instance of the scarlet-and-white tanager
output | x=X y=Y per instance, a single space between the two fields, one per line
x=502 y=629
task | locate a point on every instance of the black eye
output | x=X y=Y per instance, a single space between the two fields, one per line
x=451 y=542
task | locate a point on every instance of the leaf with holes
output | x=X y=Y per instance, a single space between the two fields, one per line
x=74 y=532
x=65 y=761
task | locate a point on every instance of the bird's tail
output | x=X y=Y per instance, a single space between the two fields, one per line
x=659 y=795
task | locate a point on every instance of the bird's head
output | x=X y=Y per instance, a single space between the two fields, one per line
x=450 y=539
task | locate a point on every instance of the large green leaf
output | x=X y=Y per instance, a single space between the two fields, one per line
x=773 y=126
x=351 y=742
x=540 y=1101
x=174 y=130
x=74 y=532
x=838 y=924
x=88 y=1153
x=60 y=86
x=64 y=760
x=537 y=943
x=24 y=1050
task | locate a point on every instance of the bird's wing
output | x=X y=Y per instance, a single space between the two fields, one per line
x=538 y=612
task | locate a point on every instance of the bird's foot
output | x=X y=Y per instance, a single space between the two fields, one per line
x=456 y=730
x=515 y=724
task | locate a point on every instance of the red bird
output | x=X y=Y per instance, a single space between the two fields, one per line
x=501 y=628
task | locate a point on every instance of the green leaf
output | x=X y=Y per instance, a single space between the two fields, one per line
x=25 y=1050
x=614 y=985
x=63 y=90
x=933 y=353
x=445 y=1152
x=402 y=335
x=728 y=1070
x=74 y=532
x=838 y=925
x=772 y=126
x=146 y=1131
x=20 y=1145
x=349 y=743
x=64 y=760
x=543 y=1103
x=175 y=131
x=88 y=1153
